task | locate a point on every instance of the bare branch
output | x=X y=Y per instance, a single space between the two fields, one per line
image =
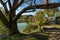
x=21 y=2
x=9 y=4
x=11 y=15
x=44 y=6
x=47 y=1
x=15 y=3
x=3 y=19
x=5 y=7
x=16 y=6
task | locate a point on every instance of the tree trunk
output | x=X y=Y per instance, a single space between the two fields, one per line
x=13 y=29
x=13 y=25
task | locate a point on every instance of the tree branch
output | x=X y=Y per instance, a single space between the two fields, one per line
x=11 y=15
x=5 y=7
x=13 y=6
x=21 y=2
x=47 y=1
x=15 y=3
x=44 y=6
x=4 y=20
x=16 y=6
x=9 y=4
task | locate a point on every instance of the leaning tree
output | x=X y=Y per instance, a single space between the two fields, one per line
x=13 y=5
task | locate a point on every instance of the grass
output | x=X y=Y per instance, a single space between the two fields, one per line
x=30 y=37
x=39 y=36
x=3 y=30
x=56 y=26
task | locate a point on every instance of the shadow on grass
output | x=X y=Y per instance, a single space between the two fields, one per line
x=28 y=37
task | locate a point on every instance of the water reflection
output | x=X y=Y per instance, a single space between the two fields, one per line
x=21 y=26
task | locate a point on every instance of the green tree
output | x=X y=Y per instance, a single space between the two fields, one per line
x=40 y=18
x=50 y=12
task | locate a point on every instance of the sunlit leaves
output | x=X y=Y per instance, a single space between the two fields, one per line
x=49 y=12
x=40 y=17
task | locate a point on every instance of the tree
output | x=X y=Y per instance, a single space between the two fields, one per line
x=51 y=15
x=11 y=24
x=49 y=12
x=40 y=18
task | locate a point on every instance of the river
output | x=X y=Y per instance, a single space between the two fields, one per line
x=21 y=26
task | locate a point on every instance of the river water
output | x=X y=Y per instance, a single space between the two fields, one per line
x=21 y=26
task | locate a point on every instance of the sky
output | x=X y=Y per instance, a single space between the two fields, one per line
x=26 y=4
x=38 y=2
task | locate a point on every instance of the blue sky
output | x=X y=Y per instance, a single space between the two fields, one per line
x=38 y=2
x=25 y=5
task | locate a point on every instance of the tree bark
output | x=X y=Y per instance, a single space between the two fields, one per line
x=13 y=29
x=13 y=25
